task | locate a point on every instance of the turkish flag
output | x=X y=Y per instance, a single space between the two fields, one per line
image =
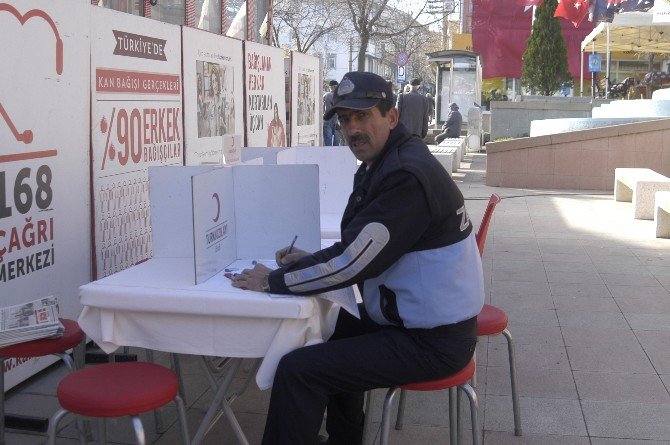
x=573 y=10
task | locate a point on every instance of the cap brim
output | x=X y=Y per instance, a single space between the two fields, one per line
x=352 y=104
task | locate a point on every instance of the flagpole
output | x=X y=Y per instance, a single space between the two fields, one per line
x=593 y=73
x=532 y=19
x=607 y=66
x=581 y=73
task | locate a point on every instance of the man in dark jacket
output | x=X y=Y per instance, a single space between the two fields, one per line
x=452 y=126
x=413 y=110
x=330 y=133
x=409 y=246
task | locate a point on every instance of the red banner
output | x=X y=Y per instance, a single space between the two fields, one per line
x=500 y=29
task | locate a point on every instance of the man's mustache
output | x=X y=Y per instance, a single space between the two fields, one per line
x=359 y=138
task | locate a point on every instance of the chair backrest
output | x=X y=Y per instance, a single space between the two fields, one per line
x=484 y=227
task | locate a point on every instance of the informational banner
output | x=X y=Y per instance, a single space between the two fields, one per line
x=45 y=246
x=265 y=95
x=213 y=96
x=136 y=122
x=306 y=104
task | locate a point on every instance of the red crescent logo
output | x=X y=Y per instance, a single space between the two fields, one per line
x=218 y=206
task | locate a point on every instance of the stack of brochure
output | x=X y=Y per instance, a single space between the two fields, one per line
x=30 y=321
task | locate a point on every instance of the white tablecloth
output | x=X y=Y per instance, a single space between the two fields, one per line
x=155 y=305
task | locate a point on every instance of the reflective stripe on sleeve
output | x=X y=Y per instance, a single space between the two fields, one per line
x=367 y=245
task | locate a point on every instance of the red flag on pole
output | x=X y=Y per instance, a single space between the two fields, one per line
x=573 y=10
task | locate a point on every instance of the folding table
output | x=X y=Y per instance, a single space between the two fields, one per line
x=156 y=305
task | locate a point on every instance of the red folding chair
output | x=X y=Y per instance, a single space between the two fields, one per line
x=493 y=321
x=490 y=321
x=453 y=383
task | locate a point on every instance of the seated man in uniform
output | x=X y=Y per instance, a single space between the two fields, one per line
x=409 y=246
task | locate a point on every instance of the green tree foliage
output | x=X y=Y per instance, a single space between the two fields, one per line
x=545 y=62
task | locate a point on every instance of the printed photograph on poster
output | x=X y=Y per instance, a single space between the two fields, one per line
x=45 y=246
x=265 y=96
x=305 y=100
x=216 y=103
x=136 y=117
x=213 y=95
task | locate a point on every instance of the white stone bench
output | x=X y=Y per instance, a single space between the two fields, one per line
x=638 y=185
x=448 y=157
x=459 y=143
x=662 y=214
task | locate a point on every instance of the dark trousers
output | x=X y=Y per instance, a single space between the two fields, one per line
x=361 y=355
x=444 y=135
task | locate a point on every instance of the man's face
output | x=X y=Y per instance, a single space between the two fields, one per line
x=367 y=131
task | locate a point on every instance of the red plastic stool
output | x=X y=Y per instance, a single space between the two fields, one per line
x=117 y=390
x=72 y=336
x=453 y=383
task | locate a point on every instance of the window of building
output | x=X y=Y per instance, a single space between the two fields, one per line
x=236 y=19
x=208 y=15
x=331 y=59
x=169 y=11
x=135 y=7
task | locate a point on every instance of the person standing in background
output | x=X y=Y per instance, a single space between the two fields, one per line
x=330 y=134
x=413 y=110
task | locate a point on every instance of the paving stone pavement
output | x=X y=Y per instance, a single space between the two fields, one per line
x=586 y=288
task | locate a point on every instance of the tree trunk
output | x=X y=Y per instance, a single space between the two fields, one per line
x=362 y=50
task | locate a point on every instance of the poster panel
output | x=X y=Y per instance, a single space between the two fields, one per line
x=213 y=96
x=265 y=96
x=136 y=122
x=305 y=100
x=45 y=246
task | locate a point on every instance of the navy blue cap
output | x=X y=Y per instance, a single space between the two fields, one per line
x=359 y=91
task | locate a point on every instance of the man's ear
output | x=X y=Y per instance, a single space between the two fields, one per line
x=392 y=116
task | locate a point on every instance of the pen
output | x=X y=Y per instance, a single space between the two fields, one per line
x=290 y=248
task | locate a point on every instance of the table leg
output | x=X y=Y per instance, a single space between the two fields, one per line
x=219 y=400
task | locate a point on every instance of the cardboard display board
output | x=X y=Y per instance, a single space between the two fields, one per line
x=232 y=149
x=265 y=96
x=306 y=116
x=136 y=122
x=337 y=167
x=239 y=212
x=213 y=93
x=269 y=155
x=45 y=244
